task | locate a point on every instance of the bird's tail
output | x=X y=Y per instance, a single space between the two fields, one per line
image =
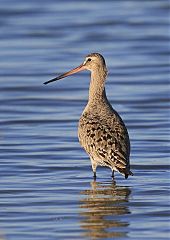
x=125 y=172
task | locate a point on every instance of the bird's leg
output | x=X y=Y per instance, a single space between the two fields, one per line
x=112 y=173
x=94 y=175
x=94 y=166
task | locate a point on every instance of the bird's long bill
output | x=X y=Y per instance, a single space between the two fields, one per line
x=75 y=70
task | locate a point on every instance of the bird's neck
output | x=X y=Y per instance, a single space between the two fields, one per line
x=97 y=86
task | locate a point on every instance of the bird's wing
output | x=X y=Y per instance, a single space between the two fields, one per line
x=105 y=143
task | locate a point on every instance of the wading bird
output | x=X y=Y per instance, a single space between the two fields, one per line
x=101 y=131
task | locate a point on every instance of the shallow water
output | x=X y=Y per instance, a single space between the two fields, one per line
x=46 y=185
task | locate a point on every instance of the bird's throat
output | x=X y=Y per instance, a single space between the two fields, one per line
x=97 y=86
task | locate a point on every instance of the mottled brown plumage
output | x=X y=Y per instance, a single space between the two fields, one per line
x=101 y=130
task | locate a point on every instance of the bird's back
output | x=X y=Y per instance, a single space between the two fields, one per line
x=104 y=136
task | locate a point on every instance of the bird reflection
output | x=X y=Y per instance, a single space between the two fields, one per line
x=103 y=207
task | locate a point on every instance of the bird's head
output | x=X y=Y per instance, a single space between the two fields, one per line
x=92 y=62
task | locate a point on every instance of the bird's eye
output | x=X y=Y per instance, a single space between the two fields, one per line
x=89 y=59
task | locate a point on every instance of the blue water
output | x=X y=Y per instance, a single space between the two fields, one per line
x=46 y=187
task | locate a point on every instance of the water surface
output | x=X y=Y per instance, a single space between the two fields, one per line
x=46 y=185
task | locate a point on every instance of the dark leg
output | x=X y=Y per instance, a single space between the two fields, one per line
x=113 y=174
x=126 y=175
x=94 y=175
